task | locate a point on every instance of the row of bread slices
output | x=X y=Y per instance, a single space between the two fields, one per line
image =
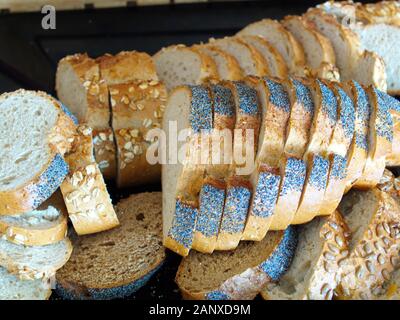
x=311 y=141
x=120 y=98
x=351 y=254
x=315 y=44
x=43 y=150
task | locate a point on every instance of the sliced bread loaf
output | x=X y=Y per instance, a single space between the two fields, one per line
x=116 y=263
x=31 y=165
x=181 y=65
x=314 y=271
x=45 y=225
x=238 y=274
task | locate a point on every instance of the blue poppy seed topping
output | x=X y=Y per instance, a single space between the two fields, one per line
x=392 y=103
x=329 y=102
x=338 y=167
x=266 y=194
x=279 y=261
x=303 y=94
x=384 y=121
x=183 y=224
x=224 y=103
x=235 y=210
x=295 y=174
x=217 y=295
x=211 y=207
x=363 y=111
x=247 y=97
x=319 y=172
x=201 y=115
x=277 y=94
x=347 y=113
x=362 y=141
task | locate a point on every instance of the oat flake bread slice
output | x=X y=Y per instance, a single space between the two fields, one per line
x=86 y=197
x=372 y=218
x=32 y=166
x=79 y=86
x=13 y=288
x=45 y=225
x=238 y=274
x=249 y=58
x=116 y=263
x=281 y=39
x=318 y=50
x=314 y=271
x=180 y=65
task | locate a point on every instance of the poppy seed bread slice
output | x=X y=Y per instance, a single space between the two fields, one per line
x=116 y=263
x=238 y=274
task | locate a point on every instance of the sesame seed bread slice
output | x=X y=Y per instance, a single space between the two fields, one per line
x=137 y=107
x=181 y=65
x=116 y=263
x=32 y=166
x=45 y=225
x=281 y=39
x=227 y=66
x=85 y=194
x=249 y=58
x=372 y=217
x=318 y=50
x=314 y=271
x=238 y=274
x=13 y=288
x=276 y=64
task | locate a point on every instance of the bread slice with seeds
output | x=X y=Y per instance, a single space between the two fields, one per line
x=249 y=58
x=276 y=64
x=238 y=274
x=372 y=218
x=137 y=107
x=391 y=289
x=181 y=65
x=45 y=225
x=314 y=271
x=80 y=87
x=318 y=50
x=393 y=105
x=86 y=198
x=116 y=263
x=13 y=288
x=282 y=40
x=32 y=166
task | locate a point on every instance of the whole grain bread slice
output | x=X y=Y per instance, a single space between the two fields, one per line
x=116 y=263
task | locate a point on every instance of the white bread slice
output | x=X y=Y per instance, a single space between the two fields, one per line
x=116 y=263
x=238 y=274
x=314 y=271
x=31 y=166
x=281 y=39
x=45 y=225
x=85 y=194
x=238 y=186
x=249 y=58
x=276 y=64
x=372 y=218
x=181 y=65
x=13 y=288
x=318 y=50
x=227 y=66
x=137 y=107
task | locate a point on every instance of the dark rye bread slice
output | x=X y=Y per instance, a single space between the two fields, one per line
x=240 y=273
x=116 y=263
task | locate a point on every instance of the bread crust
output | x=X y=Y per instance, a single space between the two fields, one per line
x=105 y=153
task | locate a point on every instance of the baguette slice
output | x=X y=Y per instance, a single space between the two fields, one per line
x=372 y=218
x=46 y=225
x=393 y=105
x=13 y=288
x=181 y=65
x=238 y=274
x=85 y=194
x=281 y=39
x=314 y=271
x=32 y=166
x=116 y=263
